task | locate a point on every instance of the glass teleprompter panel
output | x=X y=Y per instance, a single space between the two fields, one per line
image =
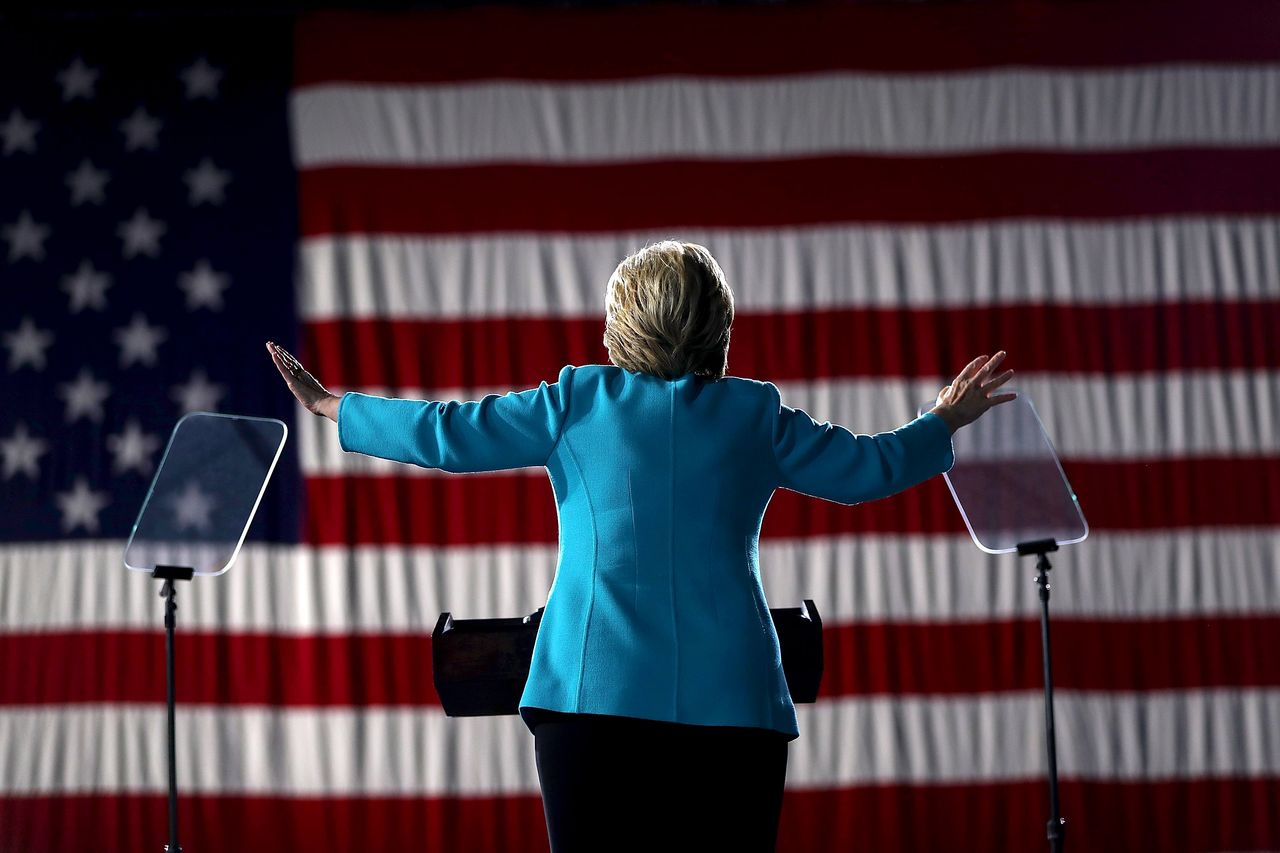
x=205 y=492
x=1008 y=482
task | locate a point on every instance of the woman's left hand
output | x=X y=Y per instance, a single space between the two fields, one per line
x=304 y=386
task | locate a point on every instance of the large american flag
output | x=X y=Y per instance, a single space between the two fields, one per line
x=429 y=204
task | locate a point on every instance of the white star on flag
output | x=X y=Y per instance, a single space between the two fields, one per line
x=26 y=237
x=141 y=234
x=138 y=341
x=192 y=507
x=140 y=130
x=27 y=345
x=87 y=288
x=77 y=80
x=206 y=182
x=84 y=396
x=132 y=448
x=87 y=183
x=201 y=79
x=22 y=453
x=80 y=506
x=203 y=286
x=198 y=394
x=19 y=133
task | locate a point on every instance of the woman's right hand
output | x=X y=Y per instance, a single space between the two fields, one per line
x=305 y=387
x=965 y=399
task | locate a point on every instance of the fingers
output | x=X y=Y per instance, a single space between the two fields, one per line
x=985 y=370
x=998 y=381
x=279 y=363
x=968 y=370
x=290 y=362
x=297 y=379
x=974 y=383
x=277 y=354
x=290 y=377
x=289 y=365
x=980 y=368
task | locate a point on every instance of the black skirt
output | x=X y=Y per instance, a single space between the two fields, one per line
x=625 y=783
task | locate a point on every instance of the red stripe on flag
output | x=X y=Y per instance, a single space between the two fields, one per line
x=560 y=44
x=472 y=509
x=521 y=352
x=1216 y=814
x=218 y=668
x=861 y=659
x=247 y=824
x=1187 y=815
x=771 y=193
x=456 y=510
x=1089 y=654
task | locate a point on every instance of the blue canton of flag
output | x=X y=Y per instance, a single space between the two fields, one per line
x=147 y=235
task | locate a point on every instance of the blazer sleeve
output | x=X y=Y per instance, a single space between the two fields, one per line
x=518 y=429
x=825 y=460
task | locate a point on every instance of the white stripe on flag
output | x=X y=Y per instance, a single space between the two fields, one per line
x=373 y=752
x=1173 y=259
x=794 y=115
x=859 y=578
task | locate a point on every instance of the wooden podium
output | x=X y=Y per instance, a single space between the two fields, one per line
x=480 y=666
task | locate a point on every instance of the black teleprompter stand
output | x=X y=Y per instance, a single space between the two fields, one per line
x=228 y=460
x=1057 y=829
x=169 y=593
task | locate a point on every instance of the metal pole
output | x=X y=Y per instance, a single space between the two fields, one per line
x=170 y=608
x=169 y=592
x=1057 y=830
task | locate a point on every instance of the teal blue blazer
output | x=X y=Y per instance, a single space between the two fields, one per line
x=656 y=609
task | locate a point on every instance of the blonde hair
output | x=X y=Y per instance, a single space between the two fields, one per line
x=668 y=311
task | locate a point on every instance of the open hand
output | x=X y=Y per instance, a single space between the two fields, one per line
x=305 y=387
x=965 y=399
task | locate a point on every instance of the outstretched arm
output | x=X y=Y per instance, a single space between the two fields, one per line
x=518 y=429
x=828 y=461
